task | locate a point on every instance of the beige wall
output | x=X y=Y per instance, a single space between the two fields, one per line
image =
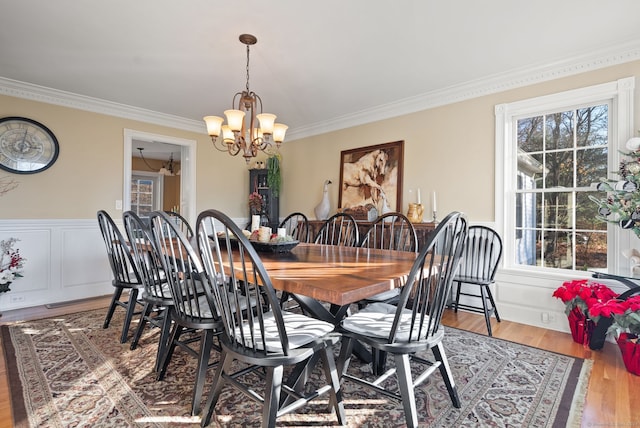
x=449 y=149
x=88 y=174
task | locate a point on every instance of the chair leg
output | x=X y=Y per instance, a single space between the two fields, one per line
x=146 y=311
x=344 y=357
x=487 y=313
x=379 y=361
x=216 y=388
x=455 y=307
x=131 y=309
x=175 y=335
x=272 y=396
x=112 y=307
x=331 y=374
x=405 y=385
x=447 y=374
x=165 y=336
x=493 y=304
x=201 y=372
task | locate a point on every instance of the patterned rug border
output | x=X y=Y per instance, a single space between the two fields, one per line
x=568 y=413
x=578 y=382
x=13 y=378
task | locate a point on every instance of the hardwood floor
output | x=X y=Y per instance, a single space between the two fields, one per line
x=612 y=399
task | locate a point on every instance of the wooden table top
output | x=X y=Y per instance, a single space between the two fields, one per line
x=338 y=275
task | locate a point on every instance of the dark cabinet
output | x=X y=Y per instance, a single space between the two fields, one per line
x=271 y=206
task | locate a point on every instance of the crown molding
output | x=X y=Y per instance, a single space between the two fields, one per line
x=15 y=88
x=493 y=84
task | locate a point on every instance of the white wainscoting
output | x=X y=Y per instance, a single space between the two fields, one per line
x=65 y=260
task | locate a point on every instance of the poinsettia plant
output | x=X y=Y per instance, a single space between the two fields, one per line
x=582 y=294
x=625 y=314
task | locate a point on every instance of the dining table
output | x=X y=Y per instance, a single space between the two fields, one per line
x=326 y=279
x=337 y=275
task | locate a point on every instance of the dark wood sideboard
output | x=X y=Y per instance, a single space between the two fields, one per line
x=422 y=229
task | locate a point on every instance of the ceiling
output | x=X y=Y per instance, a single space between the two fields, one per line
x=318 y=66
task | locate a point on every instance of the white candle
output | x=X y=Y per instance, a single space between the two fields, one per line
x=419 y=199
x=255 y=222
x=434 y=202
x=264 y=234
x=282 y=232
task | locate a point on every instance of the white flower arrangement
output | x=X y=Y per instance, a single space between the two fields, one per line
x=11 y=263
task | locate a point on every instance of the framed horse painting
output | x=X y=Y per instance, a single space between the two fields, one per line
x=372 y=176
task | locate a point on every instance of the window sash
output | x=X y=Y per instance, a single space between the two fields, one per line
x=619 y=95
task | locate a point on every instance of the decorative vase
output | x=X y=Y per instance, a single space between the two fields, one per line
x=581 y=327
x=322 y=209
x=415 y=213
x=630 y=349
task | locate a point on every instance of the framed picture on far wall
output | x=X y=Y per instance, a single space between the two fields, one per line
x=372 y=175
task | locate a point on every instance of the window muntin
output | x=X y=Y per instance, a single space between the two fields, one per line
x=559 y=155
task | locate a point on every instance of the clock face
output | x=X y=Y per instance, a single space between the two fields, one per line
x=26 y=146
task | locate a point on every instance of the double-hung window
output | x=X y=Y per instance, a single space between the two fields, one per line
x=551 y=152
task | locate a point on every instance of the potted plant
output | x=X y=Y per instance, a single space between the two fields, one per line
x=578 y=296
x=621 y=206
x=625 y=326
x=256 y=203
x=274 y=179
x=11 y=263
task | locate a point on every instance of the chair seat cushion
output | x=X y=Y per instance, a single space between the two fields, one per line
x=385 y=295
x=301 y=330
x=161 y=292
x=376 y=320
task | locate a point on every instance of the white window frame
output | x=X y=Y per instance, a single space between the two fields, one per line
x=619 y=94
x=158 y=191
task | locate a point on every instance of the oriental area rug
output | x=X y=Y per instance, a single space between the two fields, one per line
x=70 y=372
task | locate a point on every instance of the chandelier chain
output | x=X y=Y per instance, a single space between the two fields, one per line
x=247 y=69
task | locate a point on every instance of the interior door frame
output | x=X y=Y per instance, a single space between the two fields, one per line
x=187 y=169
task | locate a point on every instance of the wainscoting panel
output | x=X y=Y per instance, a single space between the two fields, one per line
x=65 y=260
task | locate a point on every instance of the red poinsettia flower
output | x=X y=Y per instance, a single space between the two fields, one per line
x=582 y=294
x=606 y=309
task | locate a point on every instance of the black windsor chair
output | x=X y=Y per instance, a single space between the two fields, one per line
x=182 y=223
x=193 y=313
x=413 y=326
x=297 y=225
x=125 y=273
x=339 y=229
x=266 y=339
x=390 y=231
x=480 y=261
x=157 y=295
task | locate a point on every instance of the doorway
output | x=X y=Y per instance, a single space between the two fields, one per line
x=186 y=150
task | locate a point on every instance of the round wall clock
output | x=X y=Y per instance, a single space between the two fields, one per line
x=26 y=146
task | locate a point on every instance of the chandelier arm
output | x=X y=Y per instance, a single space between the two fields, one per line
x=144 y=160
x=257 y=97
x=225 y=147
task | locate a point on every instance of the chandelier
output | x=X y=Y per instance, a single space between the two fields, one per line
x=167 y=169
x=247 y=130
